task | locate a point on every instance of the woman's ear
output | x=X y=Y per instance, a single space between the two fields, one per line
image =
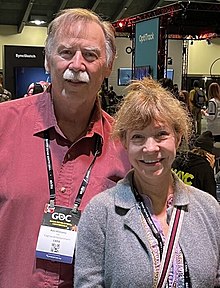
x=178 y=141
x=123 y=141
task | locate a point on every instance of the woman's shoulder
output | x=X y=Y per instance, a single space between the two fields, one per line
x=107 y=197
x=200 y=198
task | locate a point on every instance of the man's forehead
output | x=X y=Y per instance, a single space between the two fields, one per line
x=80 y=29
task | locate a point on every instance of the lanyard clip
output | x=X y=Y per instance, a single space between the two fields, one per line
x=51 y=203
x=75 y=208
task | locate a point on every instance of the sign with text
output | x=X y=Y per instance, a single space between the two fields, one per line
x=146 y=45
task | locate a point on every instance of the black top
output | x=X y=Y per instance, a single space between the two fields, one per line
x=195 y=170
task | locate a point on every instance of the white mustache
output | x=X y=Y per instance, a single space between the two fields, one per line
x=76 y=76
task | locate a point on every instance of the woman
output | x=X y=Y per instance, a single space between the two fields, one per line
x=212 y=114
x=126 y=232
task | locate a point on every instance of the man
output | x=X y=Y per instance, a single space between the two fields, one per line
x=56 y=147
x=195 y=108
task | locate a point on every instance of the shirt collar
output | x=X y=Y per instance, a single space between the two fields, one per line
x=46 y=116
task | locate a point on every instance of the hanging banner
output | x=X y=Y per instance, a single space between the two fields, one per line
x=146 y=48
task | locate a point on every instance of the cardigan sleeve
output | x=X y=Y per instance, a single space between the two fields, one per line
x=89 y=256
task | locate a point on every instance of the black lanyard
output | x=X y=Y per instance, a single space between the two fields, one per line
x=149 y=221
x=49 y=168
x=85 y=181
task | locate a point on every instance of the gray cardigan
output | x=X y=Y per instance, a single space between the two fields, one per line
x=112 y=248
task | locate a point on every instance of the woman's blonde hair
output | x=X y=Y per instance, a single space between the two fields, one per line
x=147 y=101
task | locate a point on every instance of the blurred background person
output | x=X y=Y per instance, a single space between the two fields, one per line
x=36 y=88
x=197 y=101
x=184 y=98
x=5 y=95
x=167 y=84
x=212 y=113
x=196 y=167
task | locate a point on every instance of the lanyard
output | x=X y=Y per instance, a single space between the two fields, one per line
x=85 y=181
x=149 y=221
x=157 y=235
x=49 y=168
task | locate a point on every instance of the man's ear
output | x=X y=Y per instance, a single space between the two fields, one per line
x=46 y=65
x=108 y=71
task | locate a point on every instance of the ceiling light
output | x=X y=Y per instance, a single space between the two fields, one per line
x=38 y=20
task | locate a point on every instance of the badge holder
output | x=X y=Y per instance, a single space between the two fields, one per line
x=57 y=236
x=58 y=231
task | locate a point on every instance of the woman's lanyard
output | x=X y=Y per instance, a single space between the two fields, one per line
x=149 y=221
x=166 y=257
x=85 y=181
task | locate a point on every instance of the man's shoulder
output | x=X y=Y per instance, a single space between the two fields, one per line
x=22 y=102
x=18 y=108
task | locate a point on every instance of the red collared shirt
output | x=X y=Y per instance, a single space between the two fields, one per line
x=24 y=188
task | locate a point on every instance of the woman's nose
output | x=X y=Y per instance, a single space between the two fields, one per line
x=150 y=145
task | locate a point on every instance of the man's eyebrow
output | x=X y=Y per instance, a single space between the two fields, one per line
x=92 y=48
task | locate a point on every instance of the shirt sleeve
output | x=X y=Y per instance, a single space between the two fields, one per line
x=89 y=256
x=211 y=110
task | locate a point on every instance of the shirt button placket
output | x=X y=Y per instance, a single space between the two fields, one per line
x=63 y=190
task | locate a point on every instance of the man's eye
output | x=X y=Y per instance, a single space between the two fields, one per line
x=65 y=54
x=90 y=56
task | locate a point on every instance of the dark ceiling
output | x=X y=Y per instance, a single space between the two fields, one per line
x=20 y=12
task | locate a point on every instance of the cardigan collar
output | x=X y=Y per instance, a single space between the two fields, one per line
x=124 y=196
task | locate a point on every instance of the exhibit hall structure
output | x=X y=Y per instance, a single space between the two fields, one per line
x=185 y=21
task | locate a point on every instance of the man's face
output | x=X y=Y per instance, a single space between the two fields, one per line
x=79 y=48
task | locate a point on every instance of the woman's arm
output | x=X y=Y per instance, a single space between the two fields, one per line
x=210 y=113
x=90 y=246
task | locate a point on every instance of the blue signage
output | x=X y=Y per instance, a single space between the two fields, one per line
x=146 y=45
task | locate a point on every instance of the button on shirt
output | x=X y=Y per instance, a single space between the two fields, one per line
x=24 y=188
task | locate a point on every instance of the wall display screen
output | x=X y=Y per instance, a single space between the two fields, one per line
x=141 y=72
x=24 y=76
x=124 y=76
x=169 y=73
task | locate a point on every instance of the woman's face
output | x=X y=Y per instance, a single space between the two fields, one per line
x=151 y=151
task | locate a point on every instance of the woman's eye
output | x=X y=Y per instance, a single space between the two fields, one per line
x=162 y=134
x=136 y=136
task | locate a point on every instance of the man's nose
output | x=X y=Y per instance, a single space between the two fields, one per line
x=77 y=62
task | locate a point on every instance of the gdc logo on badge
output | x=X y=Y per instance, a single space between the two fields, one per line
x=61 y=217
